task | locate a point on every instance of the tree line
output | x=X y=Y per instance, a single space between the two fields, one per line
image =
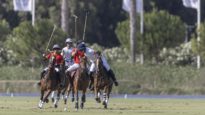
x=108 y=26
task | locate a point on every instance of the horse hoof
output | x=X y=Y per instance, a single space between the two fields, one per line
x=46 y=100
x=81 y=105
x=56 y=106
x=76 y=106
x=40 y=105
x=73 y=99
x=65 y=101
x=105 y=104
x=52 y=100
x=98 y=100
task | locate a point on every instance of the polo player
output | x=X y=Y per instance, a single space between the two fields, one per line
x=58 y=62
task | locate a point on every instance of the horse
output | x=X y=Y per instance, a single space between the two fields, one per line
x=80 y=80
x=102 y=82
x=49 y=83
x=62 y=90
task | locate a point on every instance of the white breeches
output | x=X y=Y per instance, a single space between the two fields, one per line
x=92 y=66
x=105 y=63
x=73 y=67
x=68 y=63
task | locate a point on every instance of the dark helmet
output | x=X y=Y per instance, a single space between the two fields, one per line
x=81 y=47
x=56 y=47
x=80 y=41
x=98 y=53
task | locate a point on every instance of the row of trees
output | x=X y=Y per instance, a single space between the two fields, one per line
x=161 y=30
x=108 y=25
x=103 y=16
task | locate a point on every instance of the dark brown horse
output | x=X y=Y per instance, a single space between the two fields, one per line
x=102 y=82
x=80 y=83
x=66 y=88
x=49 y=82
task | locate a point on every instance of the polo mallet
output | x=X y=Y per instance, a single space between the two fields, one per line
x=76 y=17
x=85 y=24
x=54 y=28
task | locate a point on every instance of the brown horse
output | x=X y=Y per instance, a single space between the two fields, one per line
x=80 y=83
x=49 y=82
x=102 y=82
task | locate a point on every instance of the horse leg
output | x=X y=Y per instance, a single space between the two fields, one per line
x=77 y=98
x=73 y=97
x=57 y=99
x=52 y=96
x=40 y=104
x=109 y=91
x=67 y=92
x=105 y=97
x=42 y=94
x=65 y=96
x=83 y=99
x=45 y=99
x=76 y=103
x=97 y=95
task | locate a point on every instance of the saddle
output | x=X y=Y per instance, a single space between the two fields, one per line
x=57 y=70
x=72 y=74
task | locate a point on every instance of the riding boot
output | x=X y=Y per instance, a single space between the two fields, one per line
x=91 y=87
x=112 y=75
x=41 y=75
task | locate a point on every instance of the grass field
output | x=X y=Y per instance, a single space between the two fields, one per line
x=28 y=106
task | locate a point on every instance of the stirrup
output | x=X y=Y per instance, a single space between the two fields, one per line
x=39 y=83
x=116 y=83
x=62 y=85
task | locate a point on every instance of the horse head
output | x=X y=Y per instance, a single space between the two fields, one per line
x=51 y=67
x=99 y=63
x=51 y=63
x=83 y=63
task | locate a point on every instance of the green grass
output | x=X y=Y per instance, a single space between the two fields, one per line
x=28 y=106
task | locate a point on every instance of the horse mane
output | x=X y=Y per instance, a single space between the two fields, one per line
x=83 y=63
x=51 y=61
x=51 y=68
x=100 y=69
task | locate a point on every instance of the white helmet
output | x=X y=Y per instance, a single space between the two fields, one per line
x=68 y=40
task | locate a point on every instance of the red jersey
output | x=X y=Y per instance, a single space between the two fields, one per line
x=77 y=56
x=58 y=58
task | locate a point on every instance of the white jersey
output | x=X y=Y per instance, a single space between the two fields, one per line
x=66 y=53
x=90 y=54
